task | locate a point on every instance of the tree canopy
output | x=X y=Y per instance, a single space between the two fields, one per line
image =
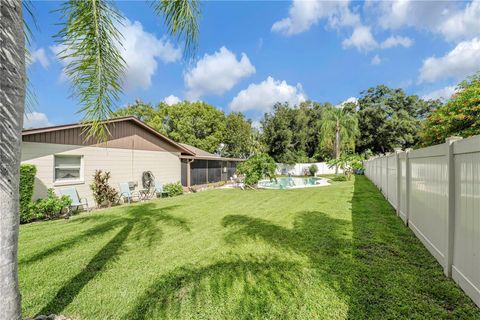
x=198 y=124
x=460 y=116
x=389 y=118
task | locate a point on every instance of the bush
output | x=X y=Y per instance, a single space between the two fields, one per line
x=348 y=163
x=50 y=207
x=104 y=194
x=173 y=189
x=313 y=169
x=27 y=182
x=256 y=168
x=340 y=178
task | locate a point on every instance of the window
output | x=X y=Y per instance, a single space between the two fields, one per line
x=68 y=168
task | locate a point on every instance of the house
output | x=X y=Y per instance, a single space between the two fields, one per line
x=64 y=156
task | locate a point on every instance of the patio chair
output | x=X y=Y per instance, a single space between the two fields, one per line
x=127 y=194
x=159 y=188
x=77 y=202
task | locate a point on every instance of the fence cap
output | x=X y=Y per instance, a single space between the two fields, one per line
x=453 y=139
x=397 y=149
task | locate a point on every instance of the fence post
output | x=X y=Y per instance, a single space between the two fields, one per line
x=451 y=205
x=408 y=178
x=399 y=176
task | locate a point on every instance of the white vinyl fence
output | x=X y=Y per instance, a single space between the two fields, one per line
x=436 y=192
x=299 y=169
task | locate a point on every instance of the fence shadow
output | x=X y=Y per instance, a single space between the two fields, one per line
x=140 y=223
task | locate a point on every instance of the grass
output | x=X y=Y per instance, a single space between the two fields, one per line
x=332 y=252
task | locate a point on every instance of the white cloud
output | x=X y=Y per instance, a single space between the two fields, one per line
x=171 y=100
x=141 y=51
x=462 y=61
x=216 y=73
x=264 y=95
x=361 y=39
x=443 y=93
x=376 y=60
x=454 y=20
x=304 y=14
x=353 y=100
x=394 y=41
x=39 y=56
x=35 y=120
x=463 y=24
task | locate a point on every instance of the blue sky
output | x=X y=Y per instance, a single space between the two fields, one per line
x=251 y=54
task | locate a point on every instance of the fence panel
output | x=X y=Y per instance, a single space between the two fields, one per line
x=466 y=252
x=429 y=203
x=439 y=191
x=403 y=187
x=392 y=179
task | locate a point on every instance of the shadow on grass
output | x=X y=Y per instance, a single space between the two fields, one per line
x=143 y=216
x=262 y=284
x=373 y=263
x=140 y=222
x=253 y=287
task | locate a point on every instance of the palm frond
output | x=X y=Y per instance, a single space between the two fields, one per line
x=91 y=45
x=181 y=18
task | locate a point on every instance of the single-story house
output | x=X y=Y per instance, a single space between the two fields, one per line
x=65 y=157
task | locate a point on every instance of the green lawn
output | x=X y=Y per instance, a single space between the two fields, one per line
x=332 y=252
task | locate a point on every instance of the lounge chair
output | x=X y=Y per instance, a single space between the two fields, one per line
x=77 y=202
x=127 y=194
x=159 y=188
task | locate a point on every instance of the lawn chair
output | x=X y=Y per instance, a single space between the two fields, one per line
x=77 y=202
x=127 y=194
x=159 y=188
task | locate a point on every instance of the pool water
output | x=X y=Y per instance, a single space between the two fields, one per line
x=292 y=183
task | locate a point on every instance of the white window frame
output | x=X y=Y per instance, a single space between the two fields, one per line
x=80 y=180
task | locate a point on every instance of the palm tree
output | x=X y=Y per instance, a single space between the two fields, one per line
x=340 y=126
x=91 y=43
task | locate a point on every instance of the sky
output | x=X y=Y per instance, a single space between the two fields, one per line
x=252 y=54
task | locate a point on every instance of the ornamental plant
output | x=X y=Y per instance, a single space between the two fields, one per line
x=103 y=193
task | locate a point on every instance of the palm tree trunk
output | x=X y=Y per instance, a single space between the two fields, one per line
x=12 y=100
x=337 y=144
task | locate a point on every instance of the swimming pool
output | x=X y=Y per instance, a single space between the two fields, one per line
x=292 y=183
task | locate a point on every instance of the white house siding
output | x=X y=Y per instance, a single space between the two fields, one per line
x=124 y=165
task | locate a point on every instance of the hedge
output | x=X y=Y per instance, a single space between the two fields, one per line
x=27 y=181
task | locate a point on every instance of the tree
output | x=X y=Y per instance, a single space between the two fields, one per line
x=196 y=123
x=238 y=136
x=388 y=118
x=460 y=116
x=286 y=133
x=258 y=167
x=95 y=67
x=340 y=128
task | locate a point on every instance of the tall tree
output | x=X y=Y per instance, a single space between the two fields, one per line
x=389 y=118
x=339 y=127
x=460 y=116
x=238 y=136
x=95 y=67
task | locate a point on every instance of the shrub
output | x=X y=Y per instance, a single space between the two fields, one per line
x=339 y=178
x=50 y=207
x=104 y=194
x=256 y=168
x=173 y=189
x=348 y=163
x=313 y=169
x=27 y=182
